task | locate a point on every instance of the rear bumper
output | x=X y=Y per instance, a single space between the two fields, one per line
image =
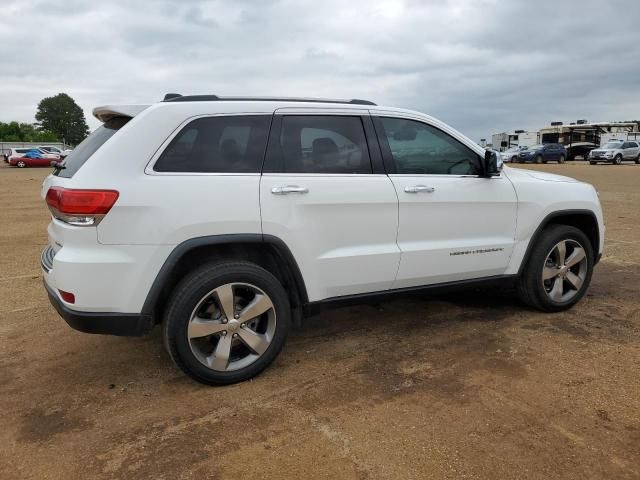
x=122 y=324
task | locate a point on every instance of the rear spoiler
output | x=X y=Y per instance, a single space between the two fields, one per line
x=107 y=112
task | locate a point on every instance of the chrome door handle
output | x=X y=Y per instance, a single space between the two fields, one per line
x=419 y=189
x=289 y=189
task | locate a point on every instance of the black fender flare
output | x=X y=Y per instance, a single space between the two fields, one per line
x=183 y=248
x=547 y=220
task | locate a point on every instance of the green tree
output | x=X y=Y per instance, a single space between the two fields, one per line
x=25 y=132
x=61 y=115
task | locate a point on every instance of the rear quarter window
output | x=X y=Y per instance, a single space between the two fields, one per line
x=89 y=146
x=221 y=144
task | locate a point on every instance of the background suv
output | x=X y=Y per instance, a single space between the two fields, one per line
x=543 y=153
x=227 y=219
x=616 y=153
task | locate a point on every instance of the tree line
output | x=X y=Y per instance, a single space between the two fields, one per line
x=58 y=118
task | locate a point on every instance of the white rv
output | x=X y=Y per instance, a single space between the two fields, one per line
x=519 y=138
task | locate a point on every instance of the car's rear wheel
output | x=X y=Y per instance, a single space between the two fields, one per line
x=558 y=271
x=561 y=159
x=618 y=159
x=226 y=322
x=21 y=164
x=539 y=159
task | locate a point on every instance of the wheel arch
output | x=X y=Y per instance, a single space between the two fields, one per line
x=584 y=220
x=267 y=251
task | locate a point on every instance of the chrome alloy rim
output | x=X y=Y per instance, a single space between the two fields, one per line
x=231 y=326
x=565 y=270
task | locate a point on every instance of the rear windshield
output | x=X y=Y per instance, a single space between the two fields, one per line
x=89 y=146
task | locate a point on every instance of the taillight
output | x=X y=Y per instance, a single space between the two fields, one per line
x=82 y=208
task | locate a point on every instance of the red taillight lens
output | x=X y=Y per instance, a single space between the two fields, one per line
x=80 y=207
x=67 y=297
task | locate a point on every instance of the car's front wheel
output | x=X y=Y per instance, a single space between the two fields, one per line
x=618 y=159
x=539 y=159
x=558 y=271
x=561 y=159
x=226 y=322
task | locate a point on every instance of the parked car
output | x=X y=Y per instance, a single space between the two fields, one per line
x=49 y=149
x=19 y=152
x=49 y=154
x=31 y=158
x=16 y=153
x=56 y=151
x=616 y=153
x=227 y=232
x=512 y=154
x=580 y=149
x=543 y=153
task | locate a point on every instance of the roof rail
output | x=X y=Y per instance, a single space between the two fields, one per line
x=176 y=97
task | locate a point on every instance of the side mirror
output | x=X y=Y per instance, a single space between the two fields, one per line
x=492 y=163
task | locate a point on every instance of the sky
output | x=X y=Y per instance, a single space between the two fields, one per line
x=482 y=66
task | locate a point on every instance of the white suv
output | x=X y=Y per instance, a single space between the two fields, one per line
x=227 y=219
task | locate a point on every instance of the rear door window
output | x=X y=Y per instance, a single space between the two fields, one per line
x=320 y=144
x=89 y=146
x=224 y=144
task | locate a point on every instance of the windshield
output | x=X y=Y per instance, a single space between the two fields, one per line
x=89 y=146
x=535 y=147
x=613 y=145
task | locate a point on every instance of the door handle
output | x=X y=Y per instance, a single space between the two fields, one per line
x=289 y=189
x=419 y=189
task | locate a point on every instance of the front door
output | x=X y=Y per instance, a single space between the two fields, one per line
x=453 y=225
x=320 y=195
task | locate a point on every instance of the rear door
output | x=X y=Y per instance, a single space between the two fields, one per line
x=630 y=150
x=453 y=225
x=324 y=193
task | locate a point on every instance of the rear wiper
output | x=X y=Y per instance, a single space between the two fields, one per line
x=57 y=166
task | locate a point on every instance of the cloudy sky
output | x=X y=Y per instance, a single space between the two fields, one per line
x=482 y=66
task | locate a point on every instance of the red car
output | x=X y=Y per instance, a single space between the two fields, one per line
x=30 y=157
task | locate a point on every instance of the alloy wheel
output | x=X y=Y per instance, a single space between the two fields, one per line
x=231 y=326
x=565 y=270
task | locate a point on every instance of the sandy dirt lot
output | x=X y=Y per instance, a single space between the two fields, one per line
x=457 y=386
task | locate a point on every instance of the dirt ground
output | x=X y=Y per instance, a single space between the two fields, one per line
x=460 y=386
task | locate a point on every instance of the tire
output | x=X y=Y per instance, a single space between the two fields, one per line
x=561 y=159
x=618 y=160
x=197 y=296
x=592 y=163
x=537 y=292
x=21 y=164
x=539 y=159
x=638 y=158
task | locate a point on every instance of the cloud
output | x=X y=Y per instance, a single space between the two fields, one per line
x=482 y=66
